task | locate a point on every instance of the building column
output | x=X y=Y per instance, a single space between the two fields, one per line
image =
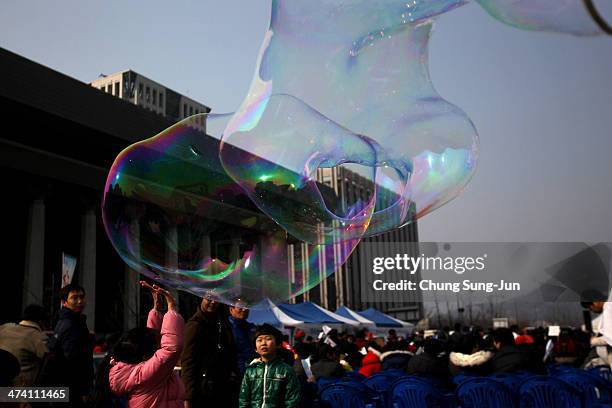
x=305 y=272
x=235 y=249
x=206 y=247
x=33 y=278
x=338 y=270
x=87 y=264
x=273 y=258
x=131 y=285
x=172 y=258
x=291 y=266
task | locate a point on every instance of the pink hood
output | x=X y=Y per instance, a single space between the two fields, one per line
x=153 y=383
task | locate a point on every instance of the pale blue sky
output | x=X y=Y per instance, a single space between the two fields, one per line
x=541 y=102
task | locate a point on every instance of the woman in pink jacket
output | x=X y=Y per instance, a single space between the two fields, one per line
x=142 y=365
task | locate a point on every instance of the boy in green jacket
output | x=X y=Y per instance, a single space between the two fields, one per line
x=268 y=382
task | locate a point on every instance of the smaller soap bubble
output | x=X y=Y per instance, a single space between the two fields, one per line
x=277 y=148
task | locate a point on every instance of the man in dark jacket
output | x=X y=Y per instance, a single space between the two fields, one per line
x=508 y=357
x=430 y=363
x=326 y=363
x=395 y=357
x=209 y=365
x=74 y=345
x=243 y=332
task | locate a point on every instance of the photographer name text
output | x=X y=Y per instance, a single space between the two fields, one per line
x=428 y=285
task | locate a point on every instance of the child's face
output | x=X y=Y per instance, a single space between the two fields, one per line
x=265 y=345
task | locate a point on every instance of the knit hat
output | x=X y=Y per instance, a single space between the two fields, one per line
x=269 y=330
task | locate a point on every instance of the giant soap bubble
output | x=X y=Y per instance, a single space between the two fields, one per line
x=256 y=210
x=364 y=74
x=173 y=215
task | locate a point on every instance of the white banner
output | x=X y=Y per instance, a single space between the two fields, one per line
x=68 y=266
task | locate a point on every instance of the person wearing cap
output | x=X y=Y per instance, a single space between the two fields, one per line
x=597 y=303
x=243 y=332
x=268 y=381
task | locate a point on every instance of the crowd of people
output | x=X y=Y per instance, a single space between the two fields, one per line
x=225 y=360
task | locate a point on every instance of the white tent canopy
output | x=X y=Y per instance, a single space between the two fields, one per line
x=268 y=312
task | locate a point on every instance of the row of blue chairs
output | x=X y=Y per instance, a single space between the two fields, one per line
x=563 y=387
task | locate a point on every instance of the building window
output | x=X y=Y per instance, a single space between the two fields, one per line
x=184 y=110
x=139 y=92
x=161 y=100
x=155 y=97
x=148 y=94
x=190 y=110
x=109 y=88
x=116 y=89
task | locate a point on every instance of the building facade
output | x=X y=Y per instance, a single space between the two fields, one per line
x=344 y=287
x=135 y=88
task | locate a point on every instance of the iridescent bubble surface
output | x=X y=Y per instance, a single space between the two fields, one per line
x=563 y=16
x=174 y=215
x=335 y=74
x=279 y=170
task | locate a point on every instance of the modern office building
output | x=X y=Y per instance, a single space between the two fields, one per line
x=344 y=287
x=142 y=91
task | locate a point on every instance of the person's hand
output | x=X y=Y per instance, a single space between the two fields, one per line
x=169 y=298
x=598 y=341
x=154 y=294
x=187 y=404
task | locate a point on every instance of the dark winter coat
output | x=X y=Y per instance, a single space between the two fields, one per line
x=327 y=368
x=395 y=360
x=243 y=332
x=75 y=347
x=427 y=365
x=209 y=366
x=509 y=359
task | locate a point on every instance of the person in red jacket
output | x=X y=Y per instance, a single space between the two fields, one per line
x=141 y=364
x=371 y=361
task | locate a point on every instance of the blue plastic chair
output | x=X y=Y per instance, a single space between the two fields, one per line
x=323 y=382
x=414 y=392
x=549 y=392
x=525 y=374
x=394 y=373
x=510 y=380
x=356 y=375
x=596 y=391
x=344 y=395
x=382 y=383
x=553 y=369
x=602 y=372
x=459 y=378
x=486 y=393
